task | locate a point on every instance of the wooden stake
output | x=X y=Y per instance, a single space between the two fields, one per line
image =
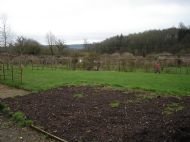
x=48 y=134
x=21 y=73
x=3 y=71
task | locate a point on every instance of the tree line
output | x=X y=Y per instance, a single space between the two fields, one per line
x=10 y=43
x=173 y=40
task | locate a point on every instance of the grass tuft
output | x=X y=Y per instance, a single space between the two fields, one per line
x=172 y=108
x=78 y=96
x=115 y=104
x=20 y=118
x=17 y=117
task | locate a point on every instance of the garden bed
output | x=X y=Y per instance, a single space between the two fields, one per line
x=87 y=113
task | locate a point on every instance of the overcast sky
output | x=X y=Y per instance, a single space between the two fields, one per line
x=94 y=20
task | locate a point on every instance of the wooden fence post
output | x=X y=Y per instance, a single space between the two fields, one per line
x=32 y=66
x=3 y=71
x=12 y=72
x=21 y=73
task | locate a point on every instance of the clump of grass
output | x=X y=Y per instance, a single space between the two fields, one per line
x=17 y=117
x=20 y=118
x=145 y=97
x=115 y=104
x=78 y=96
x=4 y=108
x=172 y=108
x=7 y=110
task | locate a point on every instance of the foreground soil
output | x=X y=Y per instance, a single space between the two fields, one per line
x=10 y=132
x=107 y=115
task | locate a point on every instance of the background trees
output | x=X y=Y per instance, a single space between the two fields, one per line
x=27 y=46
x=173 y=40
x=51 y=42
x=5 y=34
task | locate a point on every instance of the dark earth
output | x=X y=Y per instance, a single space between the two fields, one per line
x=100 y=114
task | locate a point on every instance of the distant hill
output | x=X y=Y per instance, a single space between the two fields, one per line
x=173 y=40
x=76 y=46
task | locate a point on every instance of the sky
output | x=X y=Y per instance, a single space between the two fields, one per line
x=94 y=20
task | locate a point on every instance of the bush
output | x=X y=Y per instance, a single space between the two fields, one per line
x=27 y=46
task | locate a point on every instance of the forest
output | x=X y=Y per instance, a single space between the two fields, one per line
x=173 y=40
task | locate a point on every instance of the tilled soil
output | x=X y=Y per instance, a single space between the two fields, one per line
x=90 y=117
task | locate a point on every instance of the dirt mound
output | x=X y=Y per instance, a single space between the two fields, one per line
x=106 y=115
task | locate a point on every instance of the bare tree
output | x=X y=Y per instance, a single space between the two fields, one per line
x=182 y=26
x=20 y=44
x=4 y=32
x=85 y=43
x=51 y=40
x=60 y=44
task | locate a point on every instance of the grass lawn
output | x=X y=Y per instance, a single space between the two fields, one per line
x=37 y=80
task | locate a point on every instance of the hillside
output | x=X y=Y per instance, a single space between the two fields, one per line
x=173 y=40
x=76 y=46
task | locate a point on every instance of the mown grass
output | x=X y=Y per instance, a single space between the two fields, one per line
x=37 y=80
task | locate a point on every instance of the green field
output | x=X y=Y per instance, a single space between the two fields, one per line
x=37 y=80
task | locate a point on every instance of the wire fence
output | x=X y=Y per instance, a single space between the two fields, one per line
x=170 y=66
x=9 y=72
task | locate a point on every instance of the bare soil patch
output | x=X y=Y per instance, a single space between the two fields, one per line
x=105 y=115
x=6 y=92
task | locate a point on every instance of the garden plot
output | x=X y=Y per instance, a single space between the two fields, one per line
x=100 y=114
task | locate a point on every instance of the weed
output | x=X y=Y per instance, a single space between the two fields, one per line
x=7 y=110
x=78 y=96
x=46 y=136
x=172 y=108
x=145 y=97
x=28 y=122
x=17 y=117
x=115 y=104
x=20 y=118
x=2 y=106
